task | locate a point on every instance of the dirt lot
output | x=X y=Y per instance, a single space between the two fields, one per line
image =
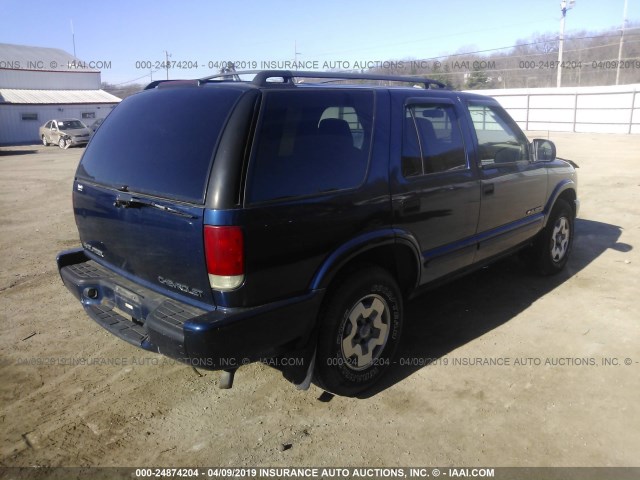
x=561 y=407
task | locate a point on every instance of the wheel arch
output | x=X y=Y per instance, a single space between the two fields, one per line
x=565 y=190
x=393 y=250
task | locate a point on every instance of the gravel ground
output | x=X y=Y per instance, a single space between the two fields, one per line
x=74 y=395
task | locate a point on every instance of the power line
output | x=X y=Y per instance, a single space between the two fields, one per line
x=130 y=81
x=518 y=45
x=425 y=39
x=566 y=51
x=586 y=70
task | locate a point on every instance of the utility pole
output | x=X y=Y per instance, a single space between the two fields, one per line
x=166 y=62
x=564 y=6
x=624 y=24
x=73 y=38
x=295 y=53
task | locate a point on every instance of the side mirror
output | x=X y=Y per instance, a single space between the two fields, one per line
x=543 y=150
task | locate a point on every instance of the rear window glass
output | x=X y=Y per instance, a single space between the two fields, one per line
x=311 y=142
x=160 y=142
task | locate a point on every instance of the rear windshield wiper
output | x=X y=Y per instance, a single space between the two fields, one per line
x=129 y=201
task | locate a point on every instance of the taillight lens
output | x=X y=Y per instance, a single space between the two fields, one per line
x=224 y=251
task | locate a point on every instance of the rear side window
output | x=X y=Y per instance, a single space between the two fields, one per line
x=310 y=142
x=160 y=142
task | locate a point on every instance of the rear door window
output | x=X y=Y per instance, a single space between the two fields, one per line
x=160 y=142
x=432 y=140
x=310 y=142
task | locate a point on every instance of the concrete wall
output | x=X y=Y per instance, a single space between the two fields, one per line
x=611 y=109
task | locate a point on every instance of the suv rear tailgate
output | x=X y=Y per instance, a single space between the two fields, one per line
x=140 y=187
x=149 y=238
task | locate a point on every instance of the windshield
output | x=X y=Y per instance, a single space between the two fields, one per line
x=70 y=124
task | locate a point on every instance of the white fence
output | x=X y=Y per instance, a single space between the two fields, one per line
x=612 y=109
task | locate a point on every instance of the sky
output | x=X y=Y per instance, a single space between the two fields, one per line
x=130 y=36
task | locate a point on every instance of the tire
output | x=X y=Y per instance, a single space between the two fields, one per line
x=44 y=141
x=551 y=250
x=62 y=143
x=360 y=327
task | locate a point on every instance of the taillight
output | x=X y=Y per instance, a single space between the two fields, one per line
x=224 y=251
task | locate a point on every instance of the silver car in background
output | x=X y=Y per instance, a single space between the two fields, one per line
x=64 y=133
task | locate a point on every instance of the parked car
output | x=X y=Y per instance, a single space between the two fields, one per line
x=64 y=133
x=270 y=219
x=94 y=126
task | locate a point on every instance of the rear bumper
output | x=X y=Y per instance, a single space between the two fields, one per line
x=211 y=339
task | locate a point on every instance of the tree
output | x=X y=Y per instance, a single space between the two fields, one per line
x=477 y=80
x=444 y=75
x=123 y=91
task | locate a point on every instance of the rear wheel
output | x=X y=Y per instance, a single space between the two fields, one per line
x=360 y=327
x=44 y=141
x=551 y=250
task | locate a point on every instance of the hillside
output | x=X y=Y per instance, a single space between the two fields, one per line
x=589 y=58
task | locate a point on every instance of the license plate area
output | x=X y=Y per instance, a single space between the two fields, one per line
x=128 y=303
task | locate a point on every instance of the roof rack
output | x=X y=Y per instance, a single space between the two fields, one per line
x=262 y=77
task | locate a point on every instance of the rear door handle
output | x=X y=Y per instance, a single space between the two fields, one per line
x=411 y=205
x=488 y=188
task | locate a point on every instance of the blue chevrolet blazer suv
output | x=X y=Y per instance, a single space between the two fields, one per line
x=289 y=215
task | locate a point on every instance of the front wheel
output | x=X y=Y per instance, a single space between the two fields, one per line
x=551 y=250
x=62 y=143
x=360 y=326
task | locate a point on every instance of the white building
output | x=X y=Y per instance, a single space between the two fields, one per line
x=38 y=84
